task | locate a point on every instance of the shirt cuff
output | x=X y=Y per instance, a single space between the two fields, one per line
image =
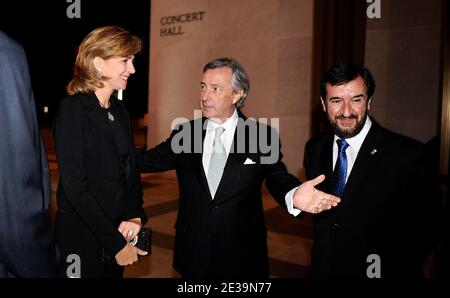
x=290 y=202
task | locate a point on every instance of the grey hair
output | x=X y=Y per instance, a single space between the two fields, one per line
x=239 y=78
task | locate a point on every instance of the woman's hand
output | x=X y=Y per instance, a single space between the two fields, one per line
x=129 y=255
x=130 y=228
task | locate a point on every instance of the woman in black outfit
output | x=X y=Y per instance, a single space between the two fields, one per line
x=99 y=192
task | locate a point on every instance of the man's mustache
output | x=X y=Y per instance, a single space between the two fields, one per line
x=342 y=117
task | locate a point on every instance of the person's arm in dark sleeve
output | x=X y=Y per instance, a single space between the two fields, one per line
x=26 y=247
x=162 y=157
x=134 y=206
x=278 y=180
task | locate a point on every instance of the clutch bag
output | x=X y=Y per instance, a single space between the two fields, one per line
x=143 y=241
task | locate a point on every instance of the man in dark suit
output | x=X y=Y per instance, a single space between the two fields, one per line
x=26 y=247
x=221 y=161
x=382 y=226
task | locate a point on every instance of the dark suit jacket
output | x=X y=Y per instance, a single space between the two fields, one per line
x=224 y=237
x=91 y=199
x=385 y=208
x=26 y=247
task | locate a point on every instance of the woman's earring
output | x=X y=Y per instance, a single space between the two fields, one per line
x=99 y=73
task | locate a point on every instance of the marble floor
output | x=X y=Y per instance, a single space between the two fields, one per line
x=289 y=238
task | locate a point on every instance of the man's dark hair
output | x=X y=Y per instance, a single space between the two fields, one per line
x=239 y=78
x=343 y=73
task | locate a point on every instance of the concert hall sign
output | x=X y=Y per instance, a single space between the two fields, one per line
x=173 y=25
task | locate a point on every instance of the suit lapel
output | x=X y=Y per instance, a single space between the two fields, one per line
x=197 y=164
x=327 y=165
x=233 y=165
x=234 y=162
x=197 y=159
x=367 y=156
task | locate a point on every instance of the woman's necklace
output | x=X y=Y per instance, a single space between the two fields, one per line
x=110 y=116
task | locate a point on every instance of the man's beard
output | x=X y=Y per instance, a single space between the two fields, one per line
x=347 y=133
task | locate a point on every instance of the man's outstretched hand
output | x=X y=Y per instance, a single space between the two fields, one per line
x=308 y=198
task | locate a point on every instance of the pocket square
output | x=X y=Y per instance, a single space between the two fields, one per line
x=248 y=161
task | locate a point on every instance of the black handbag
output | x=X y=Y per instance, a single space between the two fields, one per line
x=143 y=241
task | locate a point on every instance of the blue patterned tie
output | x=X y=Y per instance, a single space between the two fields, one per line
x=340 y=169
x=217 y=163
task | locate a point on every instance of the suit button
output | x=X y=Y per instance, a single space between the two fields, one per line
x=213 y=206
x=335 y=226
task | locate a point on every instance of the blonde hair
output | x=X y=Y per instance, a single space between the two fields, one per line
x=105 y=42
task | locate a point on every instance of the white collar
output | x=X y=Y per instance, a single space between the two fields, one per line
x=229 y=125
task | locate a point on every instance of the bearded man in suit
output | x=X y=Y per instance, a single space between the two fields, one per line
x=383 y=226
